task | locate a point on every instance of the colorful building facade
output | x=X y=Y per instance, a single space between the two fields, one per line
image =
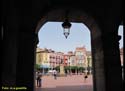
x=81 y=57
x=71 y=59
x=48 y=58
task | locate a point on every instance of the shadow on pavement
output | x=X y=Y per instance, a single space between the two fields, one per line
x=67 y=88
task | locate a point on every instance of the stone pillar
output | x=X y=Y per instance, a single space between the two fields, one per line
x=9 y=60
x=26 y=60
x=10 y=27
x=112 y=65
x=97 y=60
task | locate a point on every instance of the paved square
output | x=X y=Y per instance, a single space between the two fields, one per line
x=69 y=83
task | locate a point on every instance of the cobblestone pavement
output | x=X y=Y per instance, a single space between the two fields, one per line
x=69 y=83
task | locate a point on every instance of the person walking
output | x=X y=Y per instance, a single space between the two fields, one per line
x=39 y=80
x=55 y=74
x=85 y=77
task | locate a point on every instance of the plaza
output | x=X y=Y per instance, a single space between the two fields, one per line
x=68 y=83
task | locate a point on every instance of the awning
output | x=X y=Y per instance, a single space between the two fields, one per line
x=44 y=66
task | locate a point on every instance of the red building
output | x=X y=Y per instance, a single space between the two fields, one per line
x=65 y=59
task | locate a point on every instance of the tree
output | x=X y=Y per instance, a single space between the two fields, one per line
x=74 y=69
x=37 y=67
x=57 y=68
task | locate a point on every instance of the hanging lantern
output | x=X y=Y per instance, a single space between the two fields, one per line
x=66 y=28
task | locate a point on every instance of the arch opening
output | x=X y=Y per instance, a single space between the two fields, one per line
x=121 y=48
x=96 y=43
x=75 y=52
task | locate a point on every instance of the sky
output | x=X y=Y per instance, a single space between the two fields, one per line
x=120 y=32
x=51 y=37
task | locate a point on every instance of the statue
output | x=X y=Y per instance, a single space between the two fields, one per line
x=62 y=71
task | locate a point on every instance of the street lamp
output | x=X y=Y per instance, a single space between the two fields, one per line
x=66 y=28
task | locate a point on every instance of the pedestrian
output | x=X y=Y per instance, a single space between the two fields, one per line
x=39 y=80
x=55 y=74
x=85 y=77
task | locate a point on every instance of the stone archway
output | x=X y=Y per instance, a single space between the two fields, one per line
x=80 y=16
x=19 y=20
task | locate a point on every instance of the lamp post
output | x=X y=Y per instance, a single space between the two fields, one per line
x=66 y=28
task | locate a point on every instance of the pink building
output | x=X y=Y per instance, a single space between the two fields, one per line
x=121 y=56
x=81 y=57
x=55 y=59
x=65 y=60
x=71 y=59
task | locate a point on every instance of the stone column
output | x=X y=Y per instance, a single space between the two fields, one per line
x=10 y=27
x=26 y=60
x=112 y=64
x=97 y=60
x=9 y=54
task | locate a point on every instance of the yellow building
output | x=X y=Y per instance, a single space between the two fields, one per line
x=45 y=58
x=89 y=58
x=39 y=56
x=42 y=57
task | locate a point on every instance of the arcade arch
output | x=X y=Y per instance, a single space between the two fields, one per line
x=79 y=16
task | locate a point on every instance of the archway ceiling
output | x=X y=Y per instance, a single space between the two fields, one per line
x=55 y=10
x=58 y=15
